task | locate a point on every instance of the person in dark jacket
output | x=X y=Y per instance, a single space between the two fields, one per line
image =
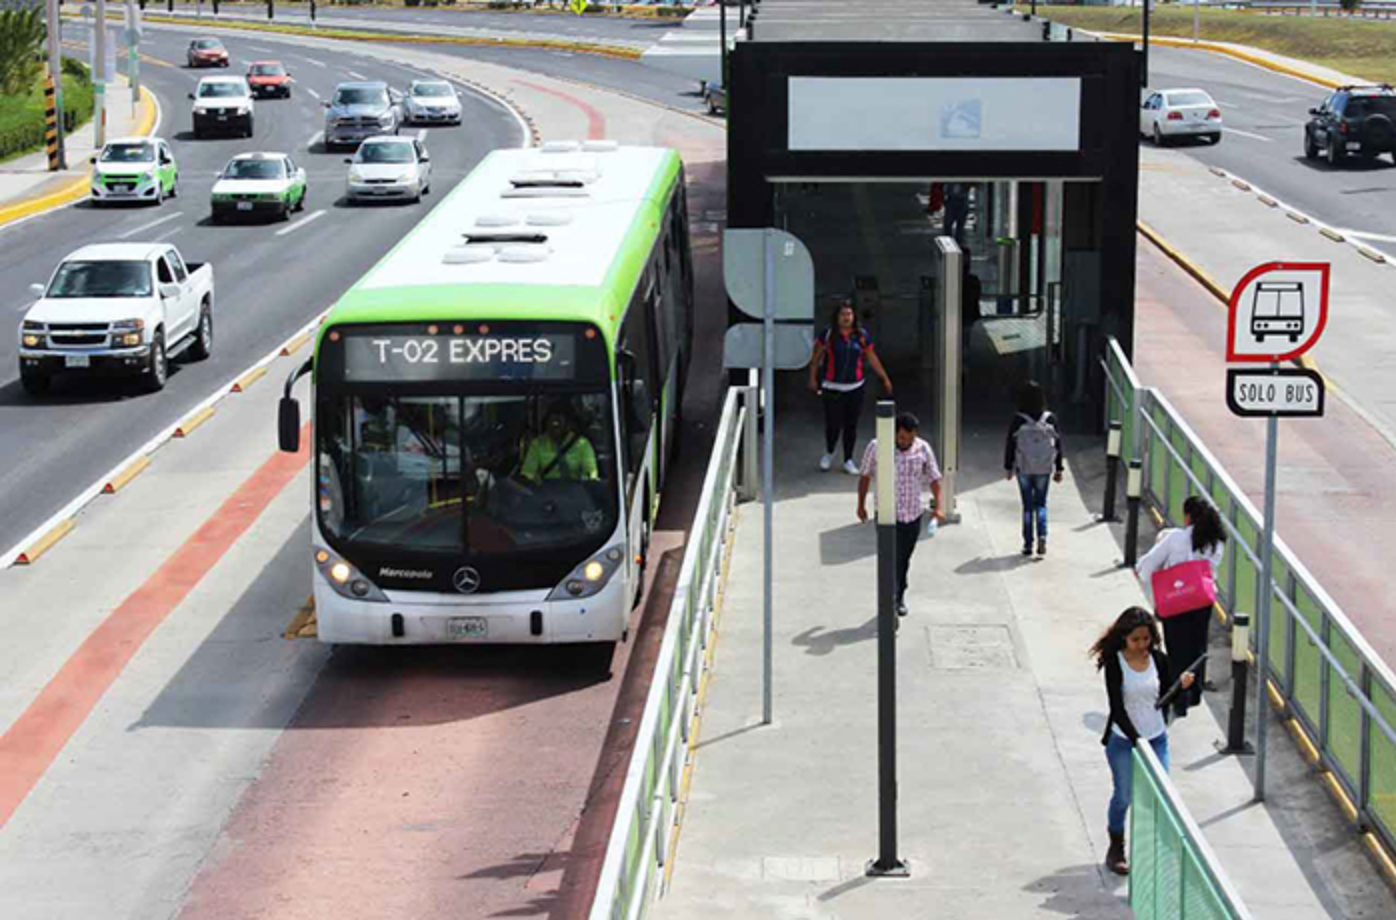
x=1137 y=675
x=971 y=291
x=843 y=355
x=1033 y=453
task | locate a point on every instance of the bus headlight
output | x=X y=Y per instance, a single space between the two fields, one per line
x=346 y=580
x=591 y=576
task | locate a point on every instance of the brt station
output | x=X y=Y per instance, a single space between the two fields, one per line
x=851 y=127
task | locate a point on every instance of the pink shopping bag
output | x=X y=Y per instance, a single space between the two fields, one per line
x=1184 y=587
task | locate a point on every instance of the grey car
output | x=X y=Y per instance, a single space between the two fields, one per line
x=361 y=110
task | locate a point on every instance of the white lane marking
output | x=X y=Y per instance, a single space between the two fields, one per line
x=313 y=215
x=71 y=509
x=167 y=234
x=315 y=62
x=356 y=75
x=1258 y=137
x=261 y=49
x=505 y=104
x=316 y=138
x=1381 y=237
x=312 y=92
x=154 y=223
x=422 y=134
x=1229 y=105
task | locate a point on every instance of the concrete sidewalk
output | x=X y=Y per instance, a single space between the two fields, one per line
x=26 y=184
x=1003 y=782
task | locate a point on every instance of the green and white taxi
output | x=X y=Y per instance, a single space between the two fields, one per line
x=134 y=169
x=259 y=183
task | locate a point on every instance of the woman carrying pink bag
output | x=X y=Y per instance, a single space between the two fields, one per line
x=1172 y=579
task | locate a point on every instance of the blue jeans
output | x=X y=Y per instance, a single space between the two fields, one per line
x=1033 y=488
x=1117 y=752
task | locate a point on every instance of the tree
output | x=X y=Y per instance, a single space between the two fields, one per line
x=22 y=35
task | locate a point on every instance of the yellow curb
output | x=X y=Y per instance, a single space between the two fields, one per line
x=1185 y=264
x=1371 y=254
x=1332 y=234
x=75 y=190
x=1296 y=217
x=1306 y=747
x=122 y=478
x=1216 y=48
x=296 y=344
x=1339 y=793
x=1243 y=186
x=194 y=421
x=1268 y=201
x=251 y=377
x=1383 y=858
x=45 y=543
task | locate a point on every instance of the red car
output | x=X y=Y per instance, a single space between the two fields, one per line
x=269 y=78
x=207 y=52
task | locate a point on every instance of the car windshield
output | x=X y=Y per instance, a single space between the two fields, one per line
x=1362 y=106
x=129 y=153
x=267 y=70
x=360 y=96
x=101 y=279
x=1193 y=98
x=255 y=169
x=220 y=90
x=208 y=44
x=386 y=153
x=432 y=89
x=483 y=475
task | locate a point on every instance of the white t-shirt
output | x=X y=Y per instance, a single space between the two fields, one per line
x=1140 y=690
x=1174 y=547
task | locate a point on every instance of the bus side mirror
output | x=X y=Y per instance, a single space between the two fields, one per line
x=288 y=424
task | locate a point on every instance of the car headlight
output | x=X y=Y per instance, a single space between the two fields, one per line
x=590 y=577
x=345 y=579
x=32 y=340
x=355 y=175
x=127 y=339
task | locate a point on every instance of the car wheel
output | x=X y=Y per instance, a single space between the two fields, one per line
x=300 y=202
x=35 y=383
x=1334 y=156
x=157 y=370
x=1158 y=137
x=174 y=187
x=249 y=127
x=285 y=214
x=159 y=193
x=1310 y=148
x=594 y=658
x=203 y=343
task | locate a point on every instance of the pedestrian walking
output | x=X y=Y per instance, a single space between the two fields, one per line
x=956 y=210
x=916 y=470
x=1137 y=675
x=970 y=293
x=1202 y=537
x=1033 y=453
x=837 y=371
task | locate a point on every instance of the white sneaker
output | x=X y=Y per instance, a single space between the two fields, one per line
x=825 y=462
x=851 y=468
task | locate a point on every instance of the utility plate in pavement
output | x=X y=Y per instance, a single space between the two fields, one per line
x=971 y=648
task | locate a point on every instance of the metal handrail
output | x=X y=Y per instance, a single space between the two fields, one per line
x=620 y=894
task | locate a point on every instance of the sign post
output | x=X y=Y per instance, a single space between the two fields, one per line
x=769 y=274
x=1285 y=301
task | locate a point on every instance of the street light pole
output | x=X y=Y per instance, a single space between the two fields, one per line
x=99 y=78
x=1144 y=65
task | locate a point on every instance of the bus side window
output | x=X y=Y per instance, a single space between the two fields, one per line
x=637 y=378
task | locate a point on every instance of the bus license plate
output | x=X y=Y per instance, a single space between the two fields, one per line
x=244 y=205
x=467 y=628
x=77 y=361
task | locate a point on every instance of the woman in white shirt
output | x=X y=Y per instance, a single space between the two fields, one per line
x=1137 y=674
x=1185 y=634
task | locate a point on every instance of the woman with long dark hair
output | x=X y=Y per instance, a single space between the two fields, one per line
x=1137 y=674
x=843 y=353
x=1202 y=537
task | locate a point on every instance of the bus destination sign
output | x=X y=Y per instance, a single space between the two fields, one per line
x=1261 y=393
x=391 y=357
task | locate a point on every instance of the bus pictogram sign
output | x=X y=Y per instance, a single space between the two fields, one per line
x=1278 y=311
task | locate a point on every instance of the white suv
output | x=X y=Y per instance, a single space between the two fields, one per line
x=222 y=104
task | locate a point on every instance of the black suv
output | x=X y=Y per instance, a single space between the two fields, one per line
x=1355 y=119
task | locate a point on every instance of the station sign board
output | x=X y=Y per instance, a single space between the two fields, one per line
x=1264 y=392
x=1278 y=311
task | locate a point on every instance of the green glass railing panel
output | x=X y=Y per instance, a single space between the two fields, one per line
x=1200 y=899
x=1143 y=848
x=1308 y=660
x=1383 y=753
x=1279 y=628
x=1344 y=713
x=1203 y=472
x=1179 y=486
x=1158 y=453
x=1168 y=866
x=1247 y=575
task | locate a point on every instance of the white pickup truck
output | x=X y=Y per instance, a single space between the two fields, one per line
x=117 y=308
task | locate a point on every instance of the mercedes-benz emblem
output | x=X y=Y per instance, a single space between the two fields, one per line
x=466 y=580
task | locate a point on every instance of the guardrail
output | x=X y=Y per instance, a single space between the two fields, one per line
x=1173 y=873
x=639 y=846
x=1372 y=9
x=1321 y=670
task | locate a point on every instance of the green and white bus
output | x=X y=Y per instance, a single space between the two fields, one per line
x=495 y=404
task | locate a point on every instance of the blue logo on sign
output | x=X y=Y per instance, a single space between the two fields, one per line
x=960 y=119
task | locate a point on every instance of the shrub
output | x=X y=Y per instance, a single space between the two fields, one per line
x=22 y=35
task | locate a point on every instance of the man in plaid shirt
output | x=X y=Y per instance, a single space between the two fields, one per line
x=916 y=470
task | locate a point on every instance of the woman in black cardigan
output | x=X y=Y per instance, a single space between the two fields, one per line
x=1137 y=674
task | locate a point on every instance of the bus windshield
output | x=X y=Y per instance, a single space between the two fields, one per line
x=478 y=475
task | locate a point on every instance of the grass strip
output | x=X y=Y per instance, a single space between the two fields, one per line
x=1353 y=46
x=22 y=117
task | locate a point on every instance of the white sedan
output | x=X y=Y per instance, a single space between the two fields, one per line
x=432 y=102
x=389 y=166
x=1172 y=113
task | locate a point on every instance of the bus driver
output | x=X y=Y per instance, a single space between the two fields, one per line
x=559 y=452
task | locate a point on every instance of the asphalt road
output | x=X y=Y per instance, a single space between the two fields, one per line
x=271 y=279
x=1264 y=114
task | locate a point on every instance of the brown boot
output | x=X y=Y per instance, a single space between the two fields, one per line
x=1115 y=859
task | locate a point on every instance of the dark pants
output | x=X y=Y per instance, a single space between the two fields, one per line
x=907 y=535
x=1185 y=637
x=955 y=214
x=841 y=412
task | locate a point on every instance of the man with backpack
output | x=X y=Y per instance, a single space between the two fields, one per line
x=1033 y=453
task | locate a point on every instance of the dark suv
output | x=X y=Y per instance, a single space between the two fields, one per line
x=1355 y=119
